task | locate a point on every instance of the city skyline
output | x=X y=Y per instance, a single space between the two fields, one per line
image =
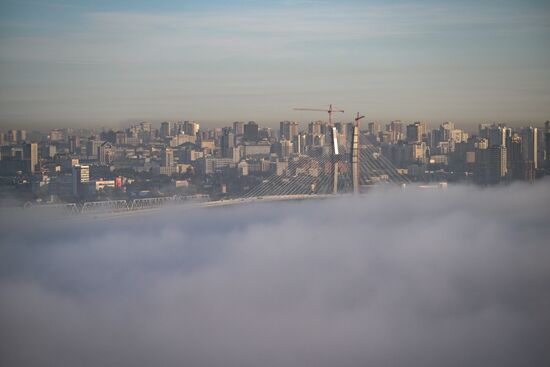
x=249 y=183
x=177 y=161
x=110 y=63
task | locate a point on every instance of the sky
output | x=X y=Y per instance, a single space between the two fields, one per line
x=83 y=63
x=455 y=277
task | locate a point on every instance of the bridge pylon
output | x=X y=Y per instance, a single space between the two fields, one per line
x=334 y=152
x=355 y=155
x=355 y=160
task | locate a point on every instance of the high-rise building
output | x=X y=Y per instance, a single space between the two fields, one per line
x=30 y=153
x=92 y=148
x=11 y=136
x=238 y=128
x=16 y=136
x=165 y=129
x=191 y=128
x=482 y=130
x=56 y=135
x=21 y=136
x=227 y=142
x=167 y=157
x=496 y=164
x=373 y=128
x=106 y=153
x=266 y=133
x=396 y=126
x=146 y=127
x=47 y=151
x=74 y=144
x=416 y=132
x=482 y=143
x=235 y=154
x=178 y=128
x=120 y=138
x=480 y=168
x=283 y=148
x=497 y=135
x=529 y=171
x=251 y=131
x=288 y=130
x=81 y=175
x=447 y=132
x=447 y=125
x=242 y=168
x=529 y=145
x=417 y=152
x=299 y=143
x=395 y=132
x=515 y=158
x=317 y=128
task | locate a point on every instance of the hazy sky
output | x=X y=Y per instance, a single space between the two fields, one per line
x=455 y=277
x=106 y=62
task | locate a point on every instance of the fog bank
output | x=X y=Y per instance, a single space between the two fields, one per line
x=450 y=277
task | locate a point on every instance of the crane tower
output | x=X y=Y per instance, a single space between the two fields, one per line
x=333 y=143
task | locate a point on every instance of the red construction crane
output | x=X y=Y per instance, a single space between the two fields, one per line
x=330 y=111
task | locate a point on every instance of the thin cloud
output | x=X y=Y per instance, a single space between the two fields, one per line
x=117 y=36
x=118 y=65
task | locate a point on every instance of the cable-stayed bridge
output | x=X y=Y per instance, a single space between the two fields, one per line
x=321 y=171
x=317 y=174
x=325 y=173
x=333 y=168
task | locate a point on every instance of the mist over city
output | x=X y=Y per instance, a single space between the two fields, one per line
x=416 y=278
x=274 y=183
